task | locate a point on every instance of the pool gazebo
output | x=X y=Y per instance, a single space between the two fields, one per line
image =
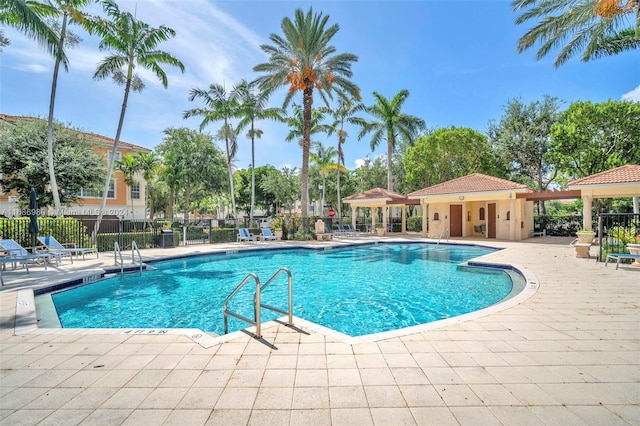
x=379 y=198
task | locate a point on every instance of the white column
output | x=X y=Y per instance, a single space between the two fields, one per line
x=404 y=219
x=515 y=219
x=587 y=212
x=354 y=210
x=384 y=218
x=424 y=206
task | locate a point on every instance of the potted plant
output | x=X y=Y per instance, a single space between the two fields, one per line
x=380 y=231
x=633 y=244
x=276 y=225
x=585 y=236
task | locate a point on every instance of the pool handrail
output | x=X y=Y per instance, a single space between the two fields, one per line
x=256 y=304
x=290 y=305
x=134 y=249
x=116 y=252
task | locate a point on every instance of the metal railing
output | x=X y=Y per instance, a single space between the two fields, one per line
x=134 y=250
x=257 y=305
x=289 y=313
x=444 y=231
x=118 y=254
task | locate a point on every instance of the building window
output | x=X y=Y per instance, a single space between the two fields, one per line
x=92 y=193
x=118 y=156
x=481 y=213
x=436 y=216
x=135 y=191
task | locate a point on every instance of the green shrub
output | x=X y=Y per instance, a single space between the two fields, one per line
x=414 y=223
x=67 y=230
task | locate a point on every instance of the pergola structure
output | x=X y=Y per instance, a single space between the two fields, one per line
x=620 y=182
x=379 y=198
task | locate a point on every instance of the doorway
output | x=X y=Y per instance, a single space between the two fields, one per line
x=491 y=220
x=455 y=223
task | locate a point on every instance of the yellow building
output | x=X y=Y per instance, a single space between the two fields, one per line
x=120 y=194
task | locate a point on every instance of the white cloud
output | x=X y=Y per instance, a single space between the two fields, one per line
x=359 y=162
x=633 y=95
x=34 y=68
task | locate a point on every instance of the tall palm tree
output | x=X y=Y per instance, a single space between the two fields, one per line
x=129 y=166
x=303 y=60
x=596 y=27
x=70 y=11
x=252 y=107
x=29 y=17
x=220 y=105
x=389 y=124
x=296 y=123
x=134 y=43
x=344 y=113
x=324 y=158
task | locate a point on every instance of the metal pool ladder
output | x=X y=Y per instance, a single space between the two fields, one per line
x=257 y=305
x=118 y=254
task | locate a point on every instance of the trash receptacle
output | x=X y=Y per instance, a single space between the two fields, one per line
x=166 y=239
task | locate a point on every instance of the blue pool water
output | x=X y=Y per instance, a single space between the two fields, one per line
x=356 y=291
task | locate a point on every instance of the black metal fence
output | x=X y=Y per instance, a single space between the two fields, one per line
x=616 y=230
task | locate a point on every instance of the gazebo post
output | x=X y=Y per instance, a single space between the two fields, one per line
x=354 y=210
x=404 y=219
x=424 y=205
x=587 y=212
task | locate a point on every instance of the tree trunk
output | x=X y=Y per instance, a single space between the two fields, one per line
x=307 y=101
x=253 y=173
x=389 y=162
x=114 y=150
x=187 y=201
x=52 y=100
x=229 y=159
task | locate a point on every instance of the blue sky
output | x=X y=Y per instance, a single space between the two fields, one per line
x=458 y=59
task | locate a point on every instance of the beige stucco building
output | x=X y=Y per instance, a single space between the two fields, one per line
x=476 y=205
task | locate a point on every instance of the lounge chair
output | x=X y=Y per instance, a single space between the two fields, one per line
x=619 y=256
x=267 y=235
x=352 y=229
x=56 y=247
x=341 y=230
x=19 y=254
x=245 y=235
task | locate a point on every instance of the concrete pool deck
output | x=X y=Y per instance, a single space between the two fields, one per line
x=568 y=354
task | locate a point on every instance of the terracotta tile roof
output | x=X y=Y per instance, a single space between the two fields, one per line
x=376 y=194
x=476 y=182
x=624 y=174
x=93 y=137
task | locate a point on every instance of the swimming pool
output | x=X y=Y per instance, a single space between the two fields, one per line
x=356 y=290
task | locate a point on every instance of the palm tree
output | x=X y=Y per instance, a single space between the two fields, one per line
x=324 y=159
x=252 y=107
x=129 y=166
x=148 y=164
x=596 y=27
x=344 y=113
x=390 y=124
x=219 y=106
x=70 y=11
x=134 y=44
x=296 y=123
x=304 y=60
x=29 y=17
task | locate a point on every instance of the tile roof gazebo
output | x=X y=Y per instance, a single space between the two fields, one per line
x=622 y=181
x=476 y=204
x=379 y=198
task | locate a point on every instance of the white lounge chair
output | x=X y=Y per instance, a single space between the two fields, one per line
x=19 y=254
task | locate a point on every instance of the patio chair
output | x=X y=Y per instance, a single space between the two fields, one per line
x=18 y=253
x=352 y=229
x=267 y=235
x=342 y=231
x=245 y=235
x=56 y=247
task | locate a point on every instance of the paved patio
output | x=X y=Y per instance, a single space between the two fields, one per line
x=569 y=354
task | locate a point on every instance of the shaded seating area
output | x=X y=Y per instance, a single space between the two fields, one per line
x=70 y=250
